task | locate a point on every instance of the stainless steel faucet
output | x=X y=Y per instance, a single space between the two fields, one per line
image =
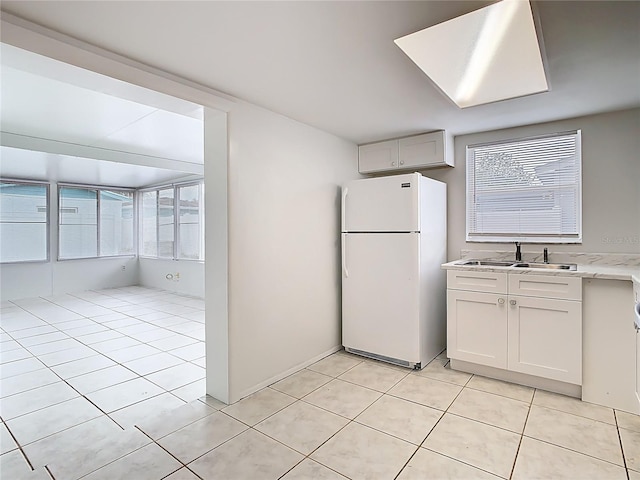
x=518 y=252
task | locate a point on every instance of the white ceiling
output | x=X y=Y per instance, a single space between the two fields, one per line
x=334 y=64
x=73 y=125
x=18 y=163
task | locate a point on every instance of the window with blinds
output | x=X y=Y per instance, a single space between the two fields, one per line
x=526 y=190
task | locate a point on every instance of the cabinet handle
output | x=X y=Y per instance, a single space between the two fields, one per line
x=501 y=301
x=401 y=162
x=512 y=302
x=393 y=164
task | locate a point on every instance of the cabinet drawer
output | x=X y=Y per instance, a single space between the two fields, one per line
x=566 y=288
x=490 y=282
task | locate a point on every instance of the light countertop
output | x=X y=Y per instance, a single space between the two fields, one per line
x=610 y=272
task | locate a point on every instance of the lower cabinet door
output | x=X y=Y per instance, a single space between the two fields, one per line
x=477 y=327
x=545 y=338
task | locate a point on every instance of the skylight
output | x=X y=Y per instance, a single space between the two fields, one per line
x=485 y=56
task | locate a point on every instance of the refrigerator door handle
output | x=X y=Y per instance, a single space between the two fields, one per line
x=343 y=207
x=345 y=271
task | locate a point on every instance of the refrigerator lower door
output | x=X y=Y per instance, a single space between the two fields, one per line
x=380 y=295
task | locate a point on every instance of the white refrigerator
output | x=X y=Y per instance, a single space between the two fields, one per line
x=393 y=289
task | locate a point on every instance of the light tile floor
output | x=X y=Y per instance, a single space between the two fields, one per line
x=95 y=388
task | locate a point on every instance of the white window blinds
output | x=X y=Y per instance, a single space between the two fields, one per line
x=525 y=190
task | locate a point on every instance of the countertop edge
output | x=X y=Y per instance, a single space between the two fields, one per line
x=606 y=272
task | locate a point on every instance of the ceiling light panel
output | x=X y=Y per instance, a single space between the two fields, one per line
x=485 y=56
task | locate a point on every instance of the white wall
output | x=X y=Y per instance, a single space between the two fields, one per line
x=54 y=278
x=284 y=281
x=610 y=180
x=185 y=277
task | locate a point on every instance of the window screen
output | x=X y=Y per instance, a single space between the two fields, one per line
x=525 y=190
x=23 y=222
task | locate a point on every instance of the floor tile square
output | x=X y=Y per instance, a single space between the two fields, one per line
x=20 y=367
x=202 y=436
x=35 y=399
x=14 y=466
x=27 y=381
x=576 y=433
x=483 y=446
x=132 y=353
x=261 y=456
x=152 y=363
x=301 y=426
x=301 y=383
x=373 y=376
x=183 y=474
x=56 y=358
x=98 y=338
x=189 y=352
x=631 y=448
x=47 y=421
x=145 y=410
x=429 y=392
x=7 y=443
x=19 y=353
x=177 y=376
x=427 y=464
x=492 y=409
x=260 y=405
x=538 y=459
x=45 y=338
x=308 y=469
x=57 y=346
x=82 y=366
x=439 y=369
x=174 y=341
x=148 y=463
x=628 y=421
x=90 y=382
x=191 y=391
x=80 y=450
x=505 y=389
x=335 y=365
x=359 y=452
x=118 y=396
x=167 y=422
x=574 y=406
x=343 y=398
x=403 y=419
x=115 y=344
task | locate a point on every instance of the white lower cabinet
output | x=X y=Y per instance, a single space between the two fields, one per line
x=534 y=335
x=477 y=327
x=545 y=338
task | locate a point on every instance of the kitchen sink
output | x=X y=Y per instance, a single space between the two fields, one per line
x=486 y=263
x=502 y=263
x=548 y=266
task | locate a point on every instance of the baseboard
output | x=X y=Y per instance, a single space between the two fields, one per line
x=519 y=378
x=286 y=373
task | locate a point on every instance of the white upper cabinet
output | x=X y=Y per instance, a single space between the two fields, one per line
x=409 y=153
x=377 y=157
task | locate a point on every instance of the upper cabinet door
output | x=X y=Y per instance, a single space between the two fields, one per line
x=377 y=157
x=383 y=204
x=422 y=150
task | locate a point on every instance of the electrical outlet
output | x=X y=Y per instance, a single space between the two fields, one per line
x=124 y=267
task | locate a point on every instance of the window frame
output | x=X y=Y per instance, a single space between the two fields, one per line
x=47 y=221
x=99 y=189
x=528 y=238
x=176 y=220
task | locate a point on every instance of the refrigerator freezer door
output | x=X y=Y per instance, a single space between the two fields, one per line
x=385 y=204
x=380 y=294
